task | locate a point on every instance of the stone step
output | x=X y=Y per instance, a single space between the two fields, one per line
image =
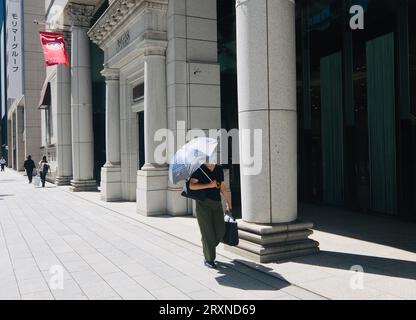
x=274 y=257
x=266 y=229
x=275 y=238
x=276 y=242
x=281 y=248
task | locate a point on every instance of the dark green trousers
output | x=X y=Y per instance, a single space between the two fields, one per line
x=210 y=216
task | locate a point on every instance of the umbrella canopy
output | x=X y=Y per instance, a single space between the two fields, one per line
x=190 y=157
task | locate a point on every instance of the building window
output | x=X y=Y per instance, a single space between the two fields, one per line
x=49 y=124
x=46 y=105
x=138 y=92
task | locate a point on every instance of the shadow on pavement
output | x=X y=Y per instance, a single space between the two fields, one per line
x=388 y=231
x=5 y=195
x=371 y=265
x=7 y=180
x=237 y=275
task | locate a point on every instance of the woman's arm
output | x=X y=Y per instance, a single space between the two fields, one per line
x=195 y=185
x=226 y=195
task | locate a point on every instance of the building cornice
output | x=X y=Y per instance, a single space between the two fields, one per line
x=117 y=13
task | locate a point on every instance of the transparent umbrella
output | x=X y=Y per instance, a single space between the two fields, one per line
x=190 y=157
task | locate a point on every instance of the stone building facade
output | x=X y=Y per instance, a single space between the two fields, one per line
x=25 y=75
x=161 y=70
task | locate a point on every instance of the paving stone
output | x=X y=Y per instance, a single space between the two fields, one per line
x=134 y=270
x=169 y=293
x=44 y=295
x=32 y=285
x=98 y=291
x=134 y=292
x=186 y=284
x=151 y=282
x=119 y=280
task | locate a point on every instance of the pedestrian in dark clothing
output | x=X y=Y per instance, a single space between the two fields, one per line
x=29 y=165
x=209 y=212
x=43 y=170
x=2 y=163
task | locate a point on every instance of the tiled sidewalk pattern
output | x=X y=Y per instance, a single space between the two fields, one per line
x=107 y=256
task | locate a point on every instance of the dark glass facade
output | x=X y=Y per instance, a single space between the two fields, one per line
x=356 y=102
x=98 y=100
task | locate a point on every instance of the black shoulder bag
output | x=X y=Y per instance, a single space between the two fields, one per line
x=200 y=195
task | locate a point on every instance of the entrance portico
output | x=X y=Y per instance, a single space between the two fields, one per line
x=135 y=72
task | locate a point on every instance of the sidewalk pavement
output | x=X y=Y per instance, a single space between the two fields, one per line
x=109 y=251
x=46 y=233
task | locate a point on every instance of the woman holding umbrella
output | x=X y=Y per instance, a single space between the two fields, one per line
x=206 y=182
x=209 y=212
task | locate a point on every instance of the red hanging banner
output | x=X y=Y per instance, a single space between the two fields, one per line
x=53 y=46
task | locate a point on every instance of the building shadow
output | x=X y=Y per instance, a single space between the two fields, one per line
x=7 y=180
x=5 y=195
x=237 y=274
x=384 y=230
x=369 y=264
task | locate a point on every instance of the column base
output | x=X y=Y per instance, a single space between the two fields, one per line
x=111 y=184
x=273 y=243
x=152 y=192
x=63 y=181
x=83 y=185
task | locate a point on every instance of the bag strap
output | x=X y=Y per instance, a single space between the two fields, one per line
x=205 y=174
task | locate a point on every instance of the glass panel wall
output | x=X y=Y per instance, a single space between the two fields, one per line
x=341 y=141
x=338 y=167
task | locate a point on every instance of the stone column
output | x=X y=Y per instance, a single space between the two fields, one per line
x=111 y=172
x=64 y=143
x=266 y=56
x=10 y=143
x=20 y=144
x=152 y=180
x=81 y=103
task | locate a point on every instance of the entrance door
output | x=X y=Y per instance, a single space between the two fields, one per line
x=140 y=147
x=381 y=124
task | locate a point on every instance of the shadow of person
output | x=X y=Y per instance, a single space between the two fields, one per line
x=236 y=274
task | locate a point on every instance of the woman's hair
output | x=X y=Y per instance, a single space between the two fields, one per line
x=44 y=158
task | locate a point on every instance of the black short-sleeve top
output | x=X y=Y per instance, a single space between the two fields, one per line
x=217 y=174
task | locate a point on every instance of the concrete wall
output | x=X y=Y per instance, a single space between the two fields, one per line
x=193 y=76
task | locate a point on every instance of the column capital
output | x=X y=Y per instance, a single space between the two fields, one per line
x=110 y=74
x=155 y=49
x=80 y=15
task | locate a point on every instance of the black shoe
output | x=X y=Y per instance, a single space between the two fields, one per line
x=210 y=264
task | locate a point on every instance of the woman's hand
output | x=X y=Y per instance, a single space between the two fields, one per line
x=227 y=197
x=213 y=185
x=228 y=206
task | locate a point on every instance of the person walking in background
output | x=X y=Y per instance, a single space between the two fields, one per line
x=29 y=165
x=2 y=163
x=43 y=170
x=209 y=212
